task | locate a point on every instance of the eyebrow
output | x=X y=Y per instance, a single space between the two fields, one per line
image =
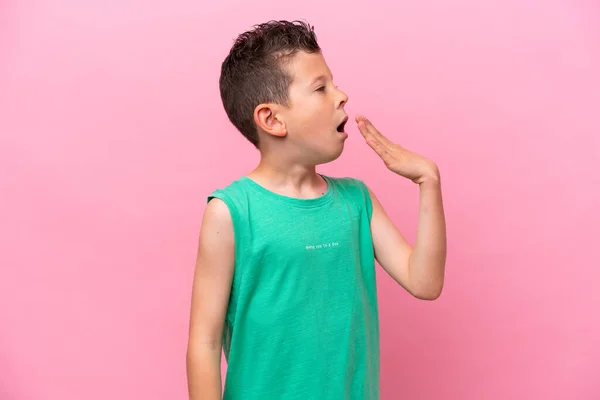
x=320 y=77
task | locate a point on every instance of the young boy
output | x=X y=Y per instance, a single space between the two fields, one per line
x=285 y=274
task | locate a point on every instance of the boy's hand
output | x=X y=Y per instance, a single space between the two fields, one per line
x=396 y=158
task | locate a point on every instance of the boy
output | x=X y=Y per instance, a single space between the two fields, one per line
x=285 y=273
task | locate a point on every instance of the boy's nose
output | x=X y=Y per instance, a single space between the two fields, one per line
x=343 y=98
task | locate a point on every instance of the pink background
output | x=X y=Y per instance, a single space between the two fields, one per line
x=113 y=134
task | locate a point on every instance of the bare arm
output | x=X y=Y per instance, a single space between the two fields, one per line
x=210 y=296
x=419 y=269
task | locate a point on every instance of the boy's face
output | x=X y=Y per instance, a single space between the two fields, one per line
x=315 y=117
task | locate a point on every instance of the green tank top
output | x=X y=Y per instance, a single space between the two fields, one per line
x=302 y=320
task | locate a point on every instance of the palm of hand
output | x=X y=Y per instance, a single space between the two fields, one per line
x=396 y=158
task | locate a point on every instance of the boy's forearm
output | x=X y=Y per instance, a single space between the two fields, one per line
x=204 y=373
x=428 y=258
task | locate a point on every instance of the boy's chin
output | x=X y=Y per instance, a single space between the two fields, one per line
x=332 y=156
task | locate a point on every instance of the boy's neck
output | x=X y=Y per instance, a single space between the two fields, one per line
x=289 y=179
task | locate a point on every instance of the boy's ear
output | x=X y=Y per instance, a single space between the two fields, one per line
x=269 y=120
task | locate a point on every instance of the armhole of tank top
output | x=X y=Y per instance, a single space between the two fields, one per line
x=366 y=198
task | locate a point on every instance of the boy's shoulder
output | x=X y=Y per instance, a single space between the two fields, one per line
x=229 y=189
x=351 y=185
x=245 y=198
x=239 y=193
x=347 y=181
x=244 y=185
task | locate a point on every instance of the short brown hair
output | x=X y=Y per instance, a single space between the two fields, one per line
x=252 y=72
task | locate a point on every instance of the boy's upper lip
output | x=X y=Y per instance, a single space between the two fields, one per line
x=344 y=120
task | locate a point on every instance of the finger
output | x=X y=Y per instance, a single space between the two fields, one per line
x=362 y=127
x=367 y=131
x=378 y=134
x=378 y=147
x=370 y=129
x=373 y=141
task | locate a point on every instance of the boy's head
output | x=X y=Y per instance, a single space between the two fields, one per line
x=278 y=91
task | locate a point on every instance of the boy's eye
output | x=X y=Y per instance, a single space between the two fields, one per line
x=321 y=89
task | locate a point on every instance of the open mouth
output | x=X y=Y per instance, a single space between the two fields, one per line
x=341 y=126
